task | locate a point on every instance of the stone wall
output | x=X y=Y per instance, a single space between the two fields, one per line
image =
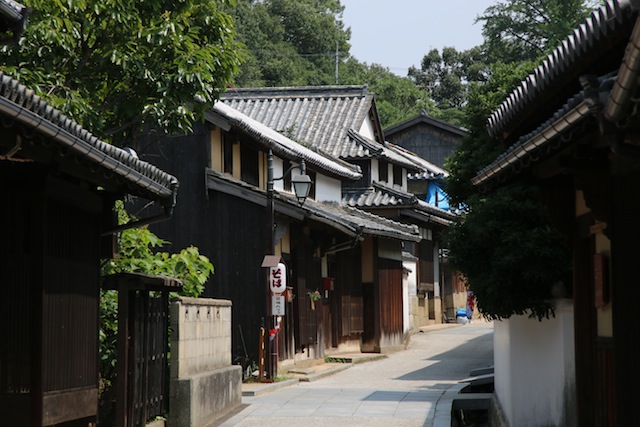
x=204 y=383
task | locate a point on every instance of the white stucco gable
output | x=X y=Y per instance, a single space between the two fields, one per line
x=367 y=129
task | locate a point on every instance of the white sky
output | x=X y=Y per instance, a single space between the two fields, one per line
x=398 y=33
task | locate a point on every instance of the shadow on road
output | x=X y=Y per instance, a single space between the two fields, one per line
x=455 y=364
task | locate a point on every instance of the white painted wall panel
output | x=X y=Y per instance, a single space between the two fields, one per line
x=535 y=369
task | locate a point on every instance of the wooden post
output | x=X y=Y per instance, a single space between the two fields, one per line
x=122 y=365
x=261 y=356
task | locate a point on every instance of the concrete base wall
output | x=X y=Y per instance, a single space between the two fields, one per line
x=200 y=399
x=419 y=312
x=204 y=385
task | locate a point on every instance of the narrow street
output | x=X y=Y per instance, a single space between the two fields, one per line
x=400 y=390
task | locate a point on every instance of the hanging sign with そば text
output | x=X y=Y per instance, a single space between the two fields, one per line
x=278 y=278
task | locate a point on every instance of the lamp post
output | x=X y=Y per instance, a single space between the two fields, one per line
x=301 y=187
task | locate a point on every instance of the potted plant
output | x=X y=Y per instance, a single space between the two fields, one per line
x=313 y=297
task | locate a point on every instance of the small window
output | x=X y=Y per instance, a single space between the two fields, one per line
x=227 y=154
x=397 y=175
x=383 y=171
x=365 y=181
x=249 y=163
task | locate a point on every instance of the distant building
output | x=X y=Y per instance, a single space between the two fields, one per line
x=429 y=138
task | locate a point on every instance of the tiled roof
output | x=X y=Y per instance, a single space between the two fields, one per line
x=437 y=215
x=577 y=48
x=380 y=196
x=366 y=223
x=284 y=146
x=23 y=106
x=318 y=116
x=377 y=196
x=539 y=142
x=380 y=151
x=426 y=169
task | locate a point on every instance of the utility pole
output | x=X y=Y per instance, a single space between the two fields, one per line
x=336 y=62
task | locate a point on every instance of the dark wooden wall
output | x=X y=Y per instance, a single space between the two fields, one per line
x=430 y=143
x=390 y=283
x=229 y=230
x=50 y=259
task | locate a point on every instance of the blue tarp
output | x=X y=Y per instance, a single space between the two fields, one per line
x=436 y=196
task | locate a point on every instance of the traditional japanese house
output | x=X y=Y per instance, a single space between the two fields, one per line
x=342 y=121
x=224 y=211
x=59 y=185
x=571 y=128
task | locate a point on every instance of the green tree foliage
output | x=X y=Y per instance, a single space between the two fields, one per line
x=397 y=98
x=119 y=66
x=290 y=42
x=505 y=245
x=139 y=253
x=295 y=43
x=479 y=149
x=527 y=30
x=447 y=77
x=511 y=256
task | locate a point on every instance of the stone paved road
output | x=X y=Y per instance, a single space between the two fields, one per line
x=401 y=390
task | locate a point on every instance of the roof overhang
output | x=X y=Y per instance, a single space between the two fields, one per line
x=350 y=221
x=226 y=117
x=44 y=134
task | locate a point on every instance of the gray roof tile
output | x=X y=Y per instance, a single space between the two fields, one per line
x=381 y=196
x=23 y=106
x=578 y=46
x=318 y=116
x=377 y=196
x=284 y=146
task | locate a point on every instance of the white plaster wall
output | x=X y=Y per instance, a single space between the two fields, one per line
x=327 y=189
x=278 y=171
x=405 y=305
x=535 y=369
x=410 y=305
x=367 y=129
x=375 y=170
x=436 y=269
x=402 y=185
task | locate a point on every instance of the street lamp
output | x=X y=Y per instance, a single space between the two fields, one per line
x=301 y=186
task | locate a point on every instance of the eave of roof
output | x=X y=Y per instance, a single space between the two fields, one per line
x=286 y=147
x=379 y=151
x=23 y=106
x=531 y=145
x=348 y=220
x=426 y=169
x=577 y=48
x=378 y=195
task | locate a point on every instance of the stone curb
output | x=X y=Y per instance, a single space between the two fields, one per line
x=324 y=373
x=268 y=387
